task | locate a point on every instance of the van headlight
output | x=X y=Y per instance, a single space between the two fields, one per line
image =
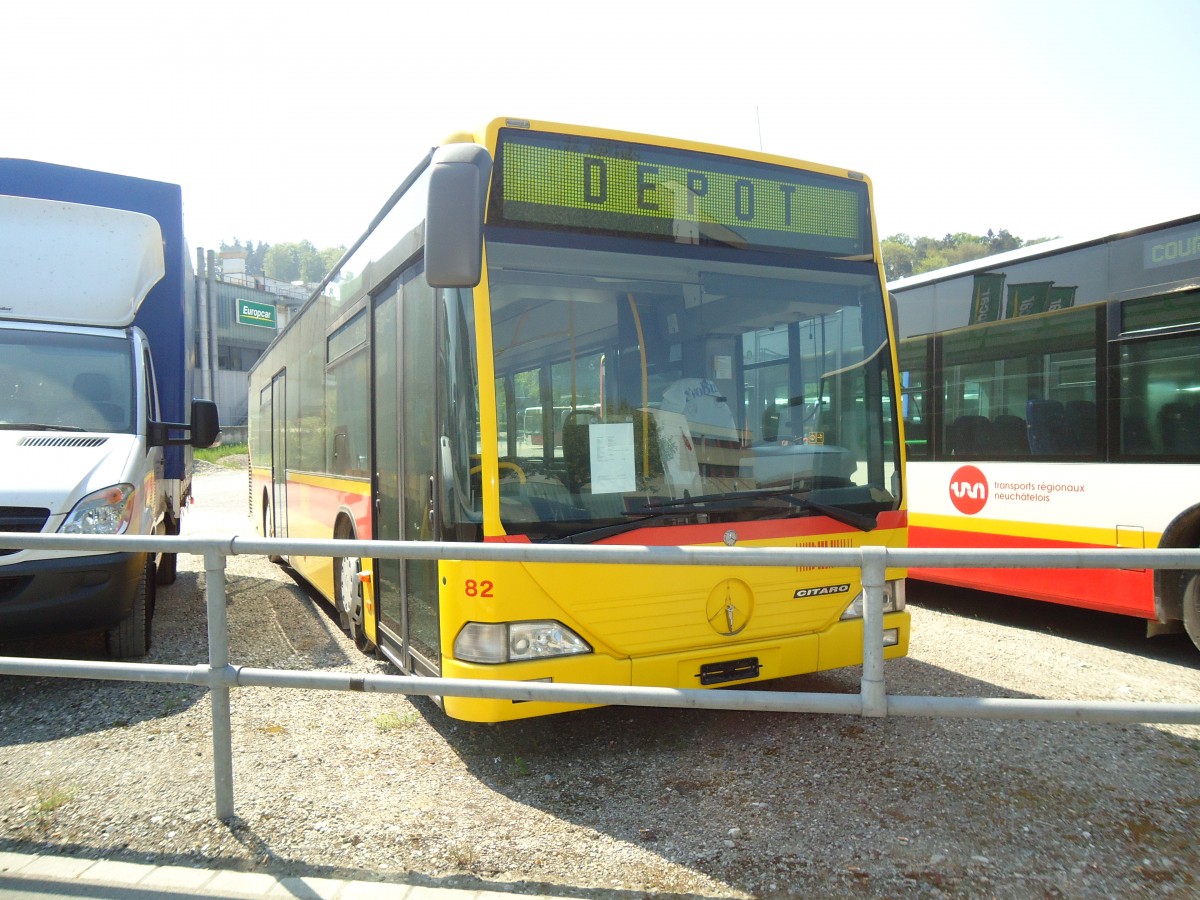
x=502 y=642
x=893 y=600
x=106 y=511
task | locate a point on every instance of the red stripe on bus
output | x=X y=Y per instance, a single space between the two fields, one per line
x=1128 y=592
x=769 y=530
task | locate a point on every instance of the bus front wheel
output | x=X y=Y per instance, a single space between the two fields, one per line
x=348 y=595
x=268 y=527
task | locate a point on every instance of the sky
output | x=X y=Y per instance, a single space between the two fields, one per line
x=294 y=120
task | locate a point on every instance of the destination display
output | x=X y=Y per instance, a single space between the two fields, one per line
x=587 y=184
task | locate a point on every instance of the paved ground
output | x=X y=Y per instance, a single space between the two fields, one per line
x=36 y=877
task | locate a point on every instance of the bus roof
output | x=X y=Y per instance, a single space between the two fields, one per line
x=1028 y=252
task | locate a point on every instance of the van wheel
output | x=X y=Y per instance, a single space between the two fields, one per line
x=167 y=562
x=1191 y=607
x=130 y=638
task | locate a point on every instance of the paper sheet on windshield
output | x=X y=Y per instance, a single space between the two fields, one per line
x=612 y=456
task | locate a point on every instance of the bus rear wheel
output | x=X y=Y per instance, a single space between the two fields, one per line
x=1191 y=606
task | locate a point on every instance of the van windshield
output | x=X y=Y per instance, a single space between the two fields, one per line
x=58 y=381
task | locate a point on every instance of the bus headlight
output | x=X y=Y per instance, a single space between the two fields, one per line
x=501 y=642
x=106 y=511
x=893 y=600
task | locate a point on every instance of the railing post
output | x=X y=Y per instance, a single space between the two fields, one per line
x=874 y=573
x=218 y=661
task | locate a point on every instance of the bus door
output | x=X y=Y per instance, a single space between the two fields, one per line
x=278 y=523
x=405 y=454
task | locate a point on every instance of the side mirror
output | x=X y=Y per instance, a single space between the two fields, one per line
x=458 y=185
x=206 y=428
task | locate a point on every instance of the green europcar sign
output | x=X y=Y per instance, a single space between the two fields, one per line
x=251 y=312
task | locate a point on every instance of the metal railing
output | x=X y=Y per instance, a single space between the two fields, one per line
x=219 y=676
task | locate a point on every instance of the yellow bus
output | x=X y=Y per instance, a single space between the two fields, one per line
x=704 y=334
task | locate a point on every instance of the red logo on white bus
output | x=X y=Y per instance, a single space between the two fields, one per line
x=968 y=490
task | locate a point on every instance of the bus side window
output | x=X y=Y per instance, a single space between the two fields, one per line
x=341 y=451
x=1135 y=436
x=1010 y=436
x=916 y=439
x=1179 y=425
x=1047 y=427
x=969 y=436
x=1081 y=426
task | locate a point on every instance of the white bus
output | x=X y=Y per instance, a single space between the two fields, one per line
x=1051 y=398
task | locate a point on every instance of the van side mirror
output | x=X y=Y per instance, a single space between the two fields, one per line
x=458 y=185
x=205 y=425
x=205 y=428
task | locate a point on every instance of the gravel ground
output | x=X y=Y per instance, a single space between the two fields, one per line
x=620 y=801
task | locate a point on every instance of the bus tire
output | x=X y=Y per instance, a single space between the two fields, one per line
x=1191 y=606
x=348 y=597
x=130 y=638
x=268 y=528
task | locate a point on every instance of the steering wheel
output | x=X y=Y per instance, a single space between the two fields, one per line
x=475 y=470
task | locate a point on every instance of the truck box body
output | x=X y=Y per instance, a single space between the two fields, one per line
x=95 y=357
x=167 y=314
x=104 y=280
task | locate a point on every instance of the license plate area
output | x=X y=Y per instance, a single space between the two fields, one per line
x=730 y=670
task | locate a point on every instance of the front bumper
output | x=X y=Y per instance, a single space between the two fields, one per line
x=54 y=596
x=840 y=646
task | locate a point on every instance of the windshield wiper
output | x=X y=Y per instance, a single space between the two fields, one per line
x=837 y=513
x=591 y=535
x=789 y=495
x=37 y=426
x=652 y=513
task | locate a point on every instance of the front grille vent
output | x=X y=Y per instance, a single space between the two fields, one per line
x=62 y=442
x=22 y=519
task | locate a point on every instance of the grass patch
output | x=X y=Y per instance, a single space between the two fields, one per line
x=215 y=454
x=50 y=800
x=393 y=721
x=463 y=855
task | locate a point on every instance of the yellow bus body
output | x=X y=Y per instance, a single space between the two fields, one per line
x=655 y=622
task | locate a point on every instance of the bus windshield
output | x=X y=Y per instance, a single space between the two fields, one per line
x=682 y=386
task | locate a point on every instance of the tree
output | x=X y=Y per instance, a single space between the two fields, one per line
x=330 y=257
x=254 y=259
x=898 y=255
x=1003 y=242
x=299 y=261
x=282 y=262
x=903 y=256
x=289 y=261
